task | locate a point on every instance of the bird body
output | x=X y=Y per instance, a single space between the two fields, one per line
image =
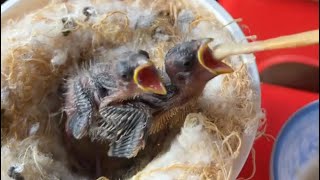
x=129 y=122
x=97 y=96
x=188 y=66
x=125 y=116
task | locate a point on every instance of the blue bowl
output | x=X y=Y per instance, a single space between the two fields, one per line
x=297 y=143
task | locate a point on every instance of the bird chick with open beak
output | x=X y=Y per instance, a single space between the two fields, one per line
x=190 y=65
x=91 y=94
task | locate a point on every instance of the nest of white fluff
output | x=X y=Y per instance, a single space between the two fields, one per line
x=40 y=50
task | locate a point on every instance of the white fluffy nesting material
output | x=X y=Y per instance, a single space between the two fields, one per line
x=35 y=158
x=194 y=151
x=42 y=49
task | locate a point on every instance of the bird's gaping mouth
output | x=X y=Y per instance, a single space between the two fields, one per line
x=208 y=62
x=148 y=79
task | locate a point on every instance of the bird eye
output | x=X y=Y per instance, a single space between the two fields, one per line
x=102 y=92
x=145 y=53
x=186 y=63
x=124 y=76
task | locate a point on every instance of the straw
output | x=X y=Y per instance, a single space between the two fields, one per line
x=289 y=41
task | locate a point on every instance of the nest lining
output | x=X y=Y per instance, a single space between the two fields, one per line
x=41 y=50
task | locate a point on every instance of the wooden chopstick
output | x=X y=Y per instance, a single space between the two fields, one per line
x=290 y=41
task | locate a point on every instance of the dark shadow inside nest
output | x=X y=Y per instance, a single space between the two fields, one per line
x=91 y=159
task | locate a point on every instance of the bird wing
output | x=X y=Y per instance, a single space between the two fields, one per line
x=130 y=143
x=88 y=88
x=80 y=120
x=125 y=126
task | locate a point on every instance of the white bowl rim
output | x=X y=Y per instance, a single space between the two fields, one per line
x=225 y=18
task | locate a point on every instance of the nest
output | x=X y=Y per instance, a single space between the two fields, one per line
x=42 y=49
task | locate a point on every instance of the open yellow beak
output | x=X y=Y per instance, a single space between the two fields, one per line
x=206 y=59
x=147 y=78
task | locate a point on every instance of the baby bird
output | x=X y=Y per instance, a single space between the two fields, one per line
x=125 y=122
x=91 y=93
x=188 y=68
x=190 y=65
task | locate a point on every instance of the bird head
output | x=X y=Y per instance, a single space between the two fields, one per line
x=192 y=62
x=136 y=71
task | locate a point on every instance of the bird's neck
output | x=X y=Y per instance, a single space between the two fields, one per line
x=188 y=93
x=194 y=87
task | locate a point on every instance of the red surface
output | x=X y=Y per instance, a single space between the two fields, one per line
x=280 y=103
x=273 y=18
x=270 y=19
